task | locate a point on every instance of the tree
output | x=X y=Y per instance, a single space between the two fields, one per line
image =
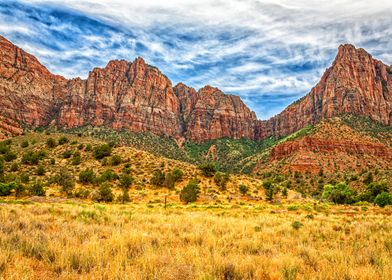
x=108 y=175
x=105 y=193
x=221 y=180
x=5 y=189
x=65 y=180
x=102 y=151
x=177 y=174
x=339 y=194
x=169 y=181
x=115 y=160
x=208 y=169
x=87 y=176
x=383 y=199
x=243 y=189
x=37 y=188
x=51 y=143
x=269 y=189
x=191 y=192
x=158 y=178
x=125 y=181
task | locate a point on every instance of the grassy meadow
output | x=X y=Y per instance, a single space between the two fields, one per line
x=81 y=240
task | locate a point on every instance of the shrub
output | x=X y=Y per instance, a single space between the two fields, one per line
x=105 y=193
x=221 y=180
x=126 y=181
x=383 y=199
x=269 y=190
x=19 y=190
x=24 y=177
x=190 y=193
x=178 y=174
x=82 y=193
x=1 y=166
x=207 y=169
x=368 y=179
x=63 y=140
x=108 y=175
x=243 y=189
x=169 y=181
x=14 y=167
x=40 y=171
x=88 y=148
x=76 y=160
x=33 y=158
x=24 y=144
x=5 y=189
x=37 y=188
x=285 y=192
x=339 y=194
x=158 y=178
x=51 y=143
x=102 y=151
x=87 y=176
x=115 y=160
x=67 y=153
x=65 y=180
x=81 y=146
x=9 y=156
x=296 y=225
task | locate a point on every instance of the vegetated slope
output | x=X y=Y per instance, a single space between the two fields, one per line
x=137 y=97
x=31 y=158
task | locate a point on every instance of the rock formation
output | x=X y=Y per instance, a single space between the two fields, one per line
x=137 y=97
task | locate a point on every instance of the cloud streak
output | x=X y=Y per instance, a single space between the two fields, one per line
x=268 y=52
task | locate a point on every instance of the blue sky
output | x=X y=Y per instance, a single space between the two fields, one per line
x=268 y=52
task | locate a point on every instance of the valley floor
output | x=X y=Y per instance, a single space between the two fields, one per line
x=76 y=240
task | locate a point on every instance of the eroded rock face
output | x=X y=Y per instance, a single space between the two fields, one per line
x=138 y=97
x=356 y=83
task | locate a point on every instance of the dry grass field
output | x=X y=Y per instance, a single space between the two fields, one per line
x=80 y=240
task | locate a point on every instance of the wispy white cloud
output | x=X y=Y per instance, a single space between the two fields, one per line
x=268 y=51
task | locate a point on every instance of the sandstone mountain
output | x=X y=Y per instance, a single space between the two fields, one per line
x=136 y=97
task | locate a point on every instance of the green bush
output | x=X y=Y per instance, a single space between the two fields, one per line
x=40 y=171
x=37 y=188
x=105 y=193
x=296 y=225
x=5 y=189
x=383 y=199
x=115 y=160
x=102 y=151
x=19 y=190
x=158 y=178
x=63 y=140
x=87 y=176
x=51 y=143
x=1 y=167
x=67 y=154
x=221 y=180
x=24 y=177
x=178 y=174
x=33 y=158
x=243 y=189
x=208 y=169
x=191 y=192
x=88 y=148
x=108 y=175
x=269 y=188
x=339 y=194
x=76 y=159
x=169 y=181
x=125 y=181
x=24 y=144
x=65 y=180
x=14 y=167
x=9 y=156
x=82 y=193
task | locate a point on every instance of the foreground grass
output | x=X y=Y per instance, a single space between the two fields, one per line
x=82 y=241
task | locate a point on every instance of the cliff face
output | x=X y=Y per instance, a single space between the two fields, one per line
x=138 y=97
x=356 y=83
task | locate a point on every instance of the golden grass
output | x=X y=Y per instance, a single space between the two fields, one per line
x=91 y=241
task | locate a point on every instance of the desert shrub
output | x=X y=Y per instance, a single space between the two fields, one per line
x=125 y=182
x=115 y=160
x=51 y=143
x=221 y=180
x=24 y=144
x=178 y=174
x=5 y=189
x=296 y=225
x=37 y=188
x=65 y=180
x=9 y=156
x=102 y=151
x=40 y=170
x=339 y=193
x=67 y=154
x=383 y=199
x=243 y=189
x=191 y=192
x=14 y=167
x=4 y=148
x=76 y=159
x=1 y=166
x=81 y=147
x=82 y=193
x=269 y=189
x=88 y=148
x=208 y=169
x=105 y=193
x=74 y=142
x=87 y=176
x=377 y=188
x=285 y=192
x=169 y=181
x=108 y=175
x=19 y=190
x=63 y=140
x=158 y=178
x=24 y=177
x=33 y=158
x=368 y=179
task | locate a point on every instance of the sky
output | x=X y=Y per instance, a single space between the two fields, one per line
x=269 y=52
